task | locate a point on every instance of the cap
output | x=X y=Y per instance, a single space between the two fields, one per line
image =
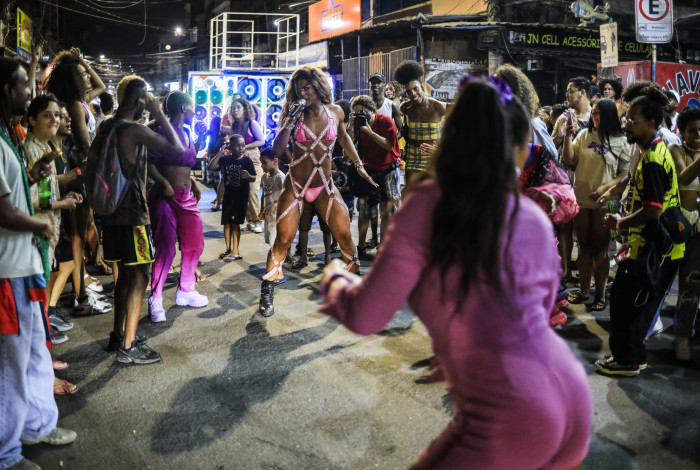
x=672 y=94
x=378 y=75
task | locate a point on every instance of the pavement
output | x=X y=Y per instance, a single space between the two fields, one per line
x=299 y=391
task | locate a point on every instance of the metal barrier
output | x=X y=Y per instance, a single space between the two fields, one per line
x=356 y=71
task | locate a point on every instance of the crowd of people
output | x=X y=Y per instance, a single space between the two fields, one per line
x=481 y=207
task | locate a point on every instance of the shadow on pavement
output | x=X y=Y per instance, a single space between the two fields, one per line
x=207 y=407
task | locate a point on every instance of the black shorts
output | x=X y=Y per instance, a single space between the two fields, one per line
x=63 y=253
x=128 y=244
x=307 y=216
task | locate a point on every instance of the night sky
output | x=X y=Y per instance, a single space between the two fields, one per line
x=105 y=31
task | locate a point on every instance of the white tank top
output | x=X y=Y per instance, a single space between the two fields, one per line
x=386 y=108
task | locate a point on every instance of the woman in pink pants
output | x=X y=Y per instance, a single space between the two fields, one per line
x=174 y=213
x=478 y=264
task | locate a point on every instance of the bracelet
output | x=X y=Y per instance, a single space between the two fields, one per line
x=617 y=225
x=290 y=127
x=30 y=179
x=326 y=284
x=77 y=170
x=359 y=163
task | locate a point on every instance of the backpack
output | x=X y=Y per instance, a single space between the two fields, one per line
x=105 y=183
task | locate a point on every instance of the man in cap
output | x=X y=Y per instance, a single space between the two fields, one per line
x=377 y=83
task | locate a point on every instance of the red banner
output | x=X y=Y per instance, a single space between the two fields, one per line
x=683 y=78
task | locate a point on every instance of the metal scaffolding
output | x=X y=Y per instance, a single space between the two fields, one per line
x=235 y=43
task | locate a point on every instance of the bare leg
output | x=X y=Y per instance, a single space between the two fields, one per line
x=227 y=236
x=59 y=282
x=566 y=246
x=138 y=279
x=327 y=246
x=600 y=239
x=236 y=229
x=303 y=246
x=339 y=224
x=374 y=221
x=362 y=226
x=121 y=294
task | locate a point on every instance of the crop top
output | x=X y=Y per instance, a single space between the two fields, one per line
x=189 y=158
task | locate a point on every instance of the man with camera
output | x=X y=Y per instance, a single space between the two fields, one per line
x=378 y=148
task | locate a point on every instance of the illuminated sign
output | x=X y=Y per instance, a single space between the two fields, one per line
x=24 y=35
x=328 y=18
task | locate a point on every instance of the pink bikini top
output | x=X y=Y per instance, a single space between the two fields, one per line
x=300 y=129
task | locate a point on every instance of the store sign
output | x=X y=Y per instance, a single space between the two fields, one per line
x=654 y=21
x=328 y=18
x=608 y=44
x=24 y=35
x=559 y=41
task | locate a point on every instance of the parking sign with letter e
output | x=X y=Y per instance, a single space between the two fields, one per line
x=654 y=21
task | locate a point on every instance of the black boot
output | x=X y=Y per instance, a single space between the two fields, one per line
x=267 y=296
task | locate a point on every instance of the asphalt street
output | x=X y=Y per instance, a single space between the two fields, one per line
x=299 y=391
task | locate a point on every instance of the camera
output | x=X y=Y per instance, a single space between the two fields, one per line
x=360 y=119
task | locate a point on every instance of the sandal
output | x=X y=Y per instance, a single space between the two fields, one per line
x=296 y=264
x=231 y=257
x=59 y=365
x=103 y=269
x=597 y=306
x=279 y=281
x=576 y=297
x=64 y=387
x=224 y=254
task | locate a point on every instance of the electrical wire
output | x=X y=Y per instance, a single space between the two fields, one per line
x=105 y=19
x=115 y=7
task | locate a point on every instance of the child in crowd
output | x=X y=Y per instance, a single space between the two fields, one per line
x=237 y=171
x=272 y=183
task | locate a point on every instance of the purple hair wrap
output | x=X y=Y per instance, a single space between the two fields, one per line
x=504 y=91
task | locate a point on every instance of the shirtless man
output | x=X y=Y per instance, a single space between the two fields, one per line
x=127 y=232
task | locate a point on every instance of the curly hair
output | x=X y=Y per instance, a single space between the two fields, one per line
x=639 y=88
x=615 y=84
x=316 y=78
x=65 y=80
x=248 y=112
x=689 y=114
x=521 y=86
x=652 y=103
x=396 y=87
x=366 y=101
x=408 y=71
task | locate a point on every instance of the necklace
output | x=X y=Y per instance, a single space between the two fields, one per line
x=689 y=149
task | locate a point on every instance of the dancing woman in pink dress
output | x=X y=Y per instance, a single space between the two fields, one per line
x=478 y=264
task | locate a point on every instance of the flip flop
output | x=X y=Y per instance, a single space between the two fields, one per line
x=277 y=282
x=224 y=254
x=64 y=388
x=59 y=365
x=230 y=257
x=597 y=306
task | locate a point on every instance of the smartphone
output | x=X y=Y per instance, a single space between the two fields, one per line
x=571 y=117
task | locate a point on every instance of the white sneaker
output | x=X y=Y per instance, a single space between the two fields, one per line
x=257 y=228
x=190 y=299
x=155 y=307
x=682 y=346
x=98 y=306
x=658 y=326
x=94 y=284
x=249 y=227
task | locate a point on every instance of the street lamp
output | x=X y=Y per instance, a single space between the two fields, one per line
x=178 y=31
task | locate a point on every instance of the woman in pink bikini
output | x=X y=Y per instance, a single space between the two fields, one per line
x=312 y=132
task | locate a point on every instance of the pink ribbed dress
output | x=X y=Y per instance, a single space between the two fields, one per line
x=521 y=397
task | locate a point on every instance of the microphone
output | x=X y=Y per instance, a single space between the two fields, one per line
x=297 y=107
